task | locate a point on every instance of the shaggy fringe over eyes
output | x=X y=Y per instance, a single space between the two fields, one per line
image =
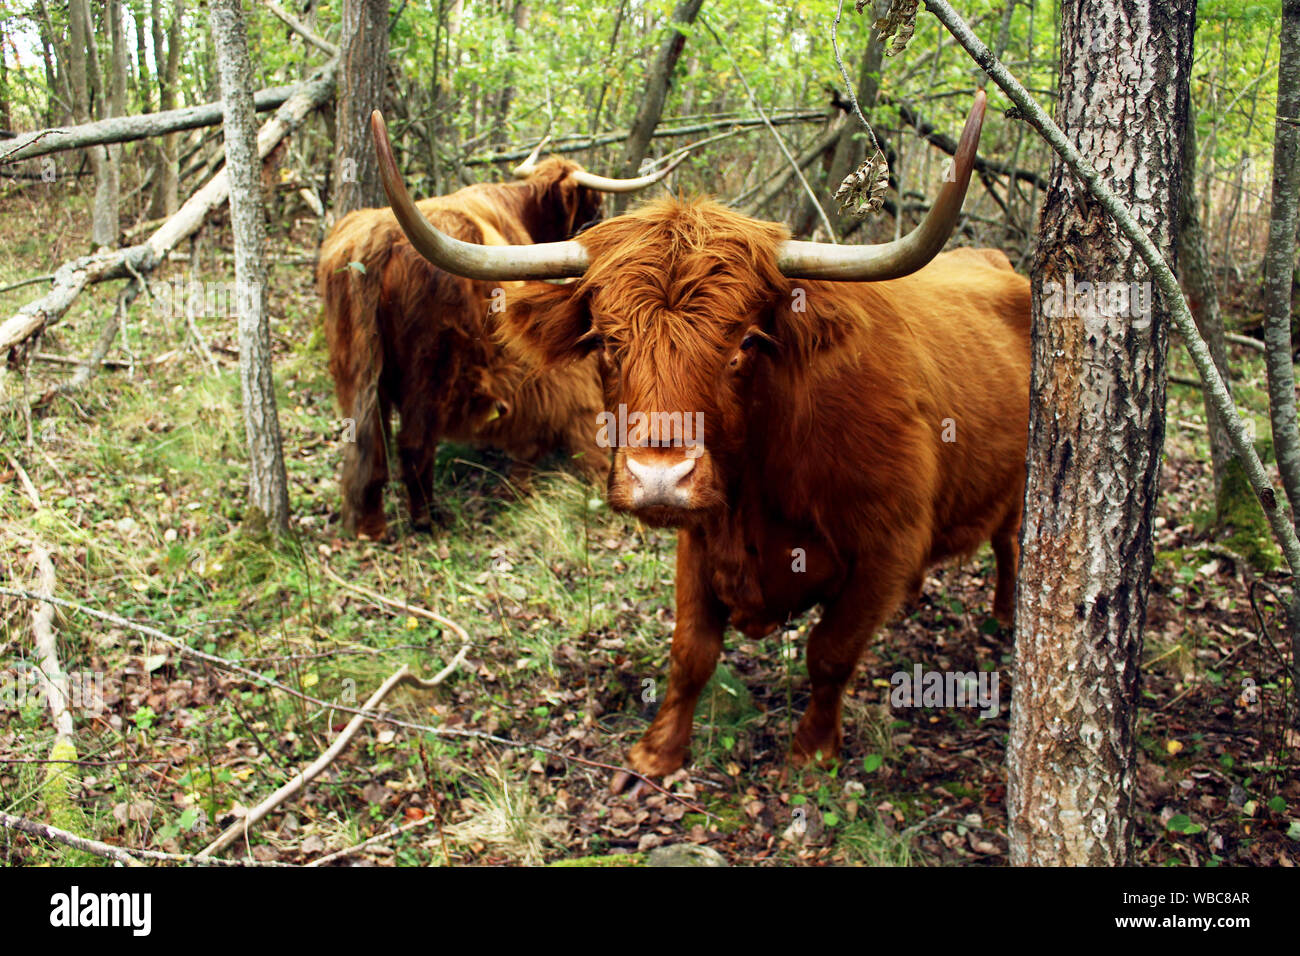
x=673 y=283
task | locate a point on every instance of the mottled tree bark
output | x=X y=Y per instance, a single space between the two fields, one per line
x=1203 y=298
x=1095 y=434
x=267 y=484
x=364 y=48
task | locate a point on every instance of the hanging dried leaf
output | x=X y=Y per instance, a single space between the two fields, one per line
x=863 y=190
x=899 y=22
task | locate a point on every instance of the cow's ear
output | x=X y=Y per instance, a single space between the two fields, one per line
x=550 y=323
x=564 y=200
x=806 y=319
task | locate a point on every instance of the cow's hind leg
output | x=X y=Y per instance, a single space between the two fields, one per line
x=1006 y=551
x=365 y=468
x=697 y=642
x=834 y=647
x=417 y=446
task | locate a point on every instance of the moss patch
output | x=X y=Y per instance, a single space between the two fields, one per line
x=1240 y=516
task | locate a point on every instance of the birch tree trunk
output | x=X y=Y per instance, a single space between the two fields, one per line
x=364 y=48
x=1096 y=428
x=267 y=483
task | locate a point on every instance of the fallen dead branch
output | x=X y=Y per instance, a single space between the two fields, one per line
x=73 y=277
x=300 y=28
x=1245 y=340
x=395 y=604
x=576 y=144
x=124 y=129
x=106 y=363
x=49 y=673
x=110 y=852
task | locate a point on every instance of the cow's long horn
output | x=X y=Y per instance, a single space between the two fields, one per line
x=606 y=185
x=525 y=169
x=603 y=184
x=545 y=260
x=890 y=260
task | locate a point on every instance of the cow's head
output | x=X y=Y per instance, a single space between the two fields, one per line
x=568 y=198
x=691 y=307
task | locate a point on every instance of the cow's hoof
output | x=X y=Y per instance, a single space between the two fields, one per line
x=650 y=762
x=819 y=750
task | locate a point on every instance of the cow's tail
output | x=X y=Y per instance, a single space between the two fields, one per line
x=350 y=299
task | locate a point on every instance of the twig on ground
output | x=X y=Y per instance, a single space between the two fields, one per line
x=354 y=850
x=402 y=675
x=266 y=681
x=25 y=481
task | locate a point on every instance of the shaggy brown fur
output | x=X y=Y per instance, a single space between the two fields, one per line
x=854 y=433
x=406 y=336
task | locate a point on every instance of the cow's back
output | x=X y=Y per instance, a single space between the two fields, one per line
x=971 y=316
x=913 y=420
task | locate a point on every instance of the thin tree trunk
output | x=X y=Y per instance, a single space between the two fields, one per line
x=267 y=482
x=81 y=57
x=364 y=48
x=657 y=83
x=51 y=72
x=518 y=24
x=1279 y=257
x=143 y=83
x=851 y=147
x=1203 y=298
x=116 y=107
x=1095 y=433
x=1279 y=277
x=6 y=114
x=166 y=195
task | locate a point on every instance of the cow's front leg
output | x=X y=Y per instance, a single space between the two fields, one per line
x=697 y=642
x=869 y=597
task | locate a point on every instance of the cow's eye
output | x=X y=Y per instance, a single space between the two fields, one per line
x=749 y=341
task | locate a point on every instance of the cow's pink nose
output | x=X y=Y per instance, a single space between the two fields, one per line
x=663 y=485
